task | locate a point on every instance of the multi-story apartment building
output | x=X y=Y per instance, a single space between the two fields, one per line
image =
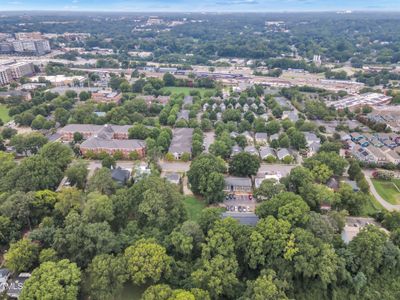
x=13 y=71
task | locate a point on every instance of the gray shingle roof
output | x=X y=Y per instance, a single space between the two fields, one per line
x=181 y=140
x=100 y=143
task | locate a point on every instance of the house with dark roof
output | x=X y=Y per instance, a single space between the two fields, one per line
x=120 y=176
x=172 y=177
x=261 y=138
x=183 y=115
x=266 y=152
x=188 y=100
x=282 y=153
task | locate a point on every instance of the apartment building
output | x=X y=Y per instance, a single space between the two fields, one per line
x=13 y=71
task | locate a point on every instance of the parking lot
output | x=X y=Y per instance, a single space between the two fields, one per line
x=239 y=203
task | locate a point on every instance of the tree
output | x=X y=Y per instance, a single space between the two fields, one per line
x=147 y=262
x=297 y=140
x=21 y=256
x=34 y=173
x=108 y=162
x=266 y=286
x=158 y=204
x=287 y=206
x=83 y=96
x=268 y=188
x=368 y=250
x=351 y=201
x=244 y=164
x=321 y=173
x=69 y=199
x=205 y=176
x=77 y=173
x=58 y=154
x=28 y=143
x=331 y=159
x=98 y=208
x=102 y=182
x=78 y=137
x=354 y=169
x=270 y=244
x=106 y=271
x=53 y=280
x=47 y=254
x=169 y=79
x=82 y=241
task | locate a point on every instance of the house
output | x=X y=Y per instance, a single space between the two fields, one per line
x=183 y=115
x=313 y=149
x=283 y=153
x=266 y=152
x=174 y=178
x=246 y=107
x=250 y=219
x=16 y=285
x=333 y=184
x=291 y=115
x=261 y=138
x=181 y=142
x=222 y=106
x=236 y=150
x=274 y=137
x=251 y=149
x=120 y=176
x=237 y=185
x=248 y=136
x=205 y=106
x=311 y=138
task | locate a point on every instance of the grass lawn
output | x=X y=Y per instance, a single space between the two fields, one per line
x=193 y=207
x=185 y=90
x=387 y=190
x=4 y=113
x=372 y=206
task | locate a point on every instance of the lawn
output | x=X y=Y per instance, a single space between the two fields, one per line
x=193 y=207
x=387 y=190
x=185 y=90
x=4 y=113
x=372 y=206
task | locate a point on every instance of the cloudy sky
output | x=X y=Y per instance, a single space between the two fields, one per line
x=201 y=5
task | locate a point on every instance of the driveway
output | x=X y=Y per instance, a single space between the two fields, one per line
x=209 y=138
x=175 y=166
x=378 y=197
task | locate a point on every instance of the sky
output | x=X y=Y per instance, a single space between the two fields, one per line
x=200 y=5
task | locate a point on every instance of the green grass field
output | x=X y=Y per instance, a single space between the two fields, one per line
x=193 y=207
x=372 y=206
x=185 y=90
x=387 y=190
x=4 y=113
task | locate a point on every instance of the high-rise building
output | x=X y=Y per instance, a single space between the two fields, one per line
x=37 y=47
x=28 y=36
x=5 y=75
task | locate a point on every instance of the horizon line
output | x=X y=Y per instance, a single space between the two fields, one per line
x=345 y=11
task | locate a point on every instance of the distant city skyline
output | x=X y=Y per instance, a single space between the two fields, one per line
x=200 y=6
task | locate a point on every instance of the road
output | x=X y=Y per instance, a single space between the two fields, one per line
x=378 y=197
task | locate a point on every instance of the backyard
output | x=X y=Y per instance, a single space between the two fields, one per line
x=186 y=90
x=4 y=113
x=193 y=207
x=388 y=190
